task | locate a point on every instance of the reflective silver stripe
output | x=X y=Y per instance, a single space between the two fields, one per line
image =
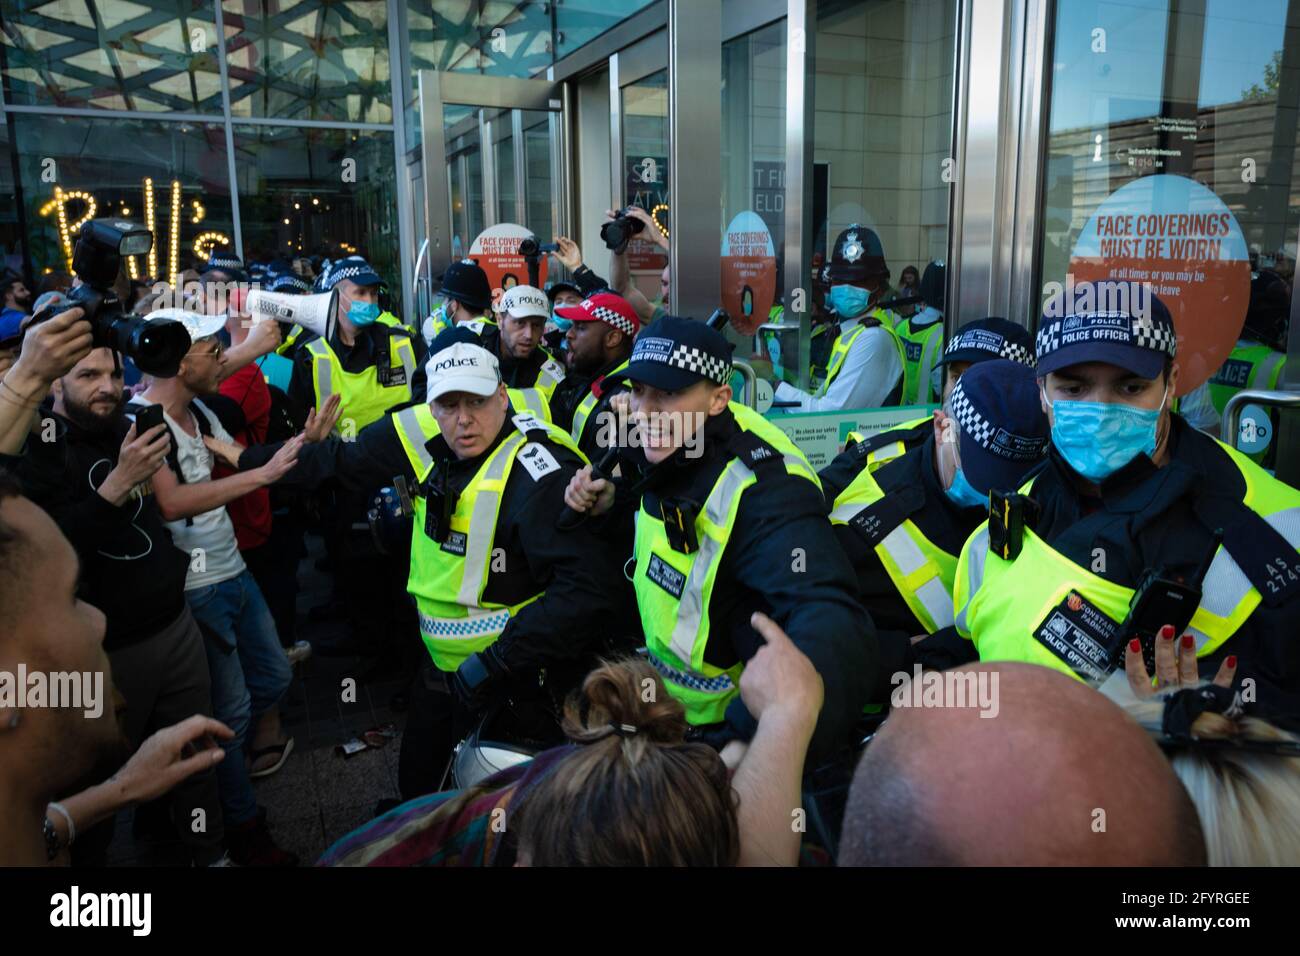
x=847 y=512
x=936 y=600
x=580 y=417
x=691 y=610
x=900 y=546
x=409 y=422
x=534 y=403
x=722 y=684
x=324 y=370
x=407 y=356
x=475 y=625
x=1225 y=584
x=927 y=365
x=482 y=525
x=977 y=551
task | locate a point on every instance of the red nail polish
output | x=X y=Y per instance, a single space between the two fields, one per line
x=1232 y=660
x=1188 y=641
x=1167 y=632
x=1135 y=646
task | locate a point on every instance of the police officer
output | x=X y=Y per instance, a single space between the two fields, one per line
x=223 y=267
x=504 y=600
x=467 y=299
x=516 y=341
x=599 y=340
x=1125 y=514
x=559 y=294
x=726 y=518
x=980 y=341
x=865 y=368
x=372 y=361
x=903 y=525
x=921 y=332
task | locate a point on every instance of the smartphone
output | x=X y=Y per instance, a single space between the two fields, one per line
x=148 y=417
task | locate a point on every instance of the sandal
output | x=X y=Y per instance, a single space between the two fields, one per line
x=281 y=751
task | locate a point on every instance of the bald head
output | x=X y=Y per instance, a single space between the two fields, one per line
x=1060 y=776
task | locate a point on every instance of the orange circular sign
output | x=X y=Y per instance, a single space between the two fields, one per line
x=1176 y=236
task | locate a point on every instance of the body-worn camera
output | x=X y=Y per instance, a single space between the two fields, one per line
x=618 y=232
x=156 y=347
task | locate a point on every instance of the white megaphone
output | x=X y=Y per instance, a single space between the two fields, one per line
x=316 y=313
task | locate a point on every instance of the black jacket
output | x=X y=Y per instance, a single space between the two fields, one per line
x=1148 y=517
x=363 y=354
x=565 y=402
x=130 y=569
x=515 y=372
x=839 y=474
x=782 y=560
x=910 y=484
x=582 y=583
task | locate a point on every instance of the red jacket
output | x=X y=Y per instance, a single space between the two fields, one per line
x=250 y=514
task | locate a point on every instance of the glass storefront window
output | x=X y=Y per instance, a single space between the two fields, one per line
x=318 y=192
x=1172 y=161
x=578 y=22
x=309 y=59
x=493 y=37
x=169 y=176
x=753 y=181
x=882 y=128
x=538 y=182
x=645 y=172
x=140 y=55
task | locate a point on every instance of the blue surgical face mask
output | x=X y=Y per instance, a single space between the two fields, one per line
x=849 y=301
x=963 y=494
x=1097 y=439
x=561 y=322
x=363 y=313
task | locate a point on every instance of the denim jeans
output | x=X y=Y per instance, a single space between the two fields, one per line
x=250 y=675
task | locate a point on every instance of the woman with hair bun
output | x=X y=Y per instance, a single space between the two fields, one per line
x=629 y=789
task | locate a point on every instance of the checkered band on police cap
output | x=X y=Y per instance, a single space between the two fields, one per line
x=610 y=317
x=353 y=267
x=992 y=439
x=224 y=261
x=688 y=358
x=992 y=342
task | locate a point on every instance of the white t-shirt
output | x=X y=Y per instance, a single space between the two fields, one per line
x=212 y=531
x=870 y=371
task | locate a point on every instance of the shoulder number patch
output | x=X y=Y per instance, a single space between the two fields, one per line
x=538 y=461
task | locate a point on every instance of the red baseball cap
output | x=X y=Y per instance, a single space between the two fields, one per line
x=613 y=310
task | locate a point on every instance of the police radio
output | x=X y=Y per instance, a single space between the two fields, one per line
x=1161 y=600
x=390 y=515
x=600 y=471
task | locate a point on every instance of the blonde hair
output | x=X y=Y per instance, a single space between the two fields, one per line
x=1248 y=802
x=635 y=793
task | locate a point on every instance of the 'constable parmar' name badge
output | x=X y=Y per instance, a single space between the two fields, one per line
x=666 y=576
x=1079 y=633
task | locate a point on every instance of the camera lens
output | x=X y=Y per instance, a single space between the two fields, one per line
x=528 y=247
x=156 y=347
x=615 y=234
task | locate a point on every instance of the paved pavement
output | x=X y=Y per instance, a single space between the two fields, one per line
x=318 y=795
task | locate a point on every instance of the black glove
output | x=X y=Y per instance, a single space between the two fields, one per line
x=478 y=680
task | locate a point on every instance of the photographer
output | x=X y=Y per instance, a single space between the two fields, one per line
x=51 y=348
x=93 y=480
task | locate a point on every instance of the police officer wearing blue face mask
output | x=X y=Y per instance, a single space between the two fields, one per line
x=903 y=525
x=865 y=368
x=1133 y=496
x=371 y=360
